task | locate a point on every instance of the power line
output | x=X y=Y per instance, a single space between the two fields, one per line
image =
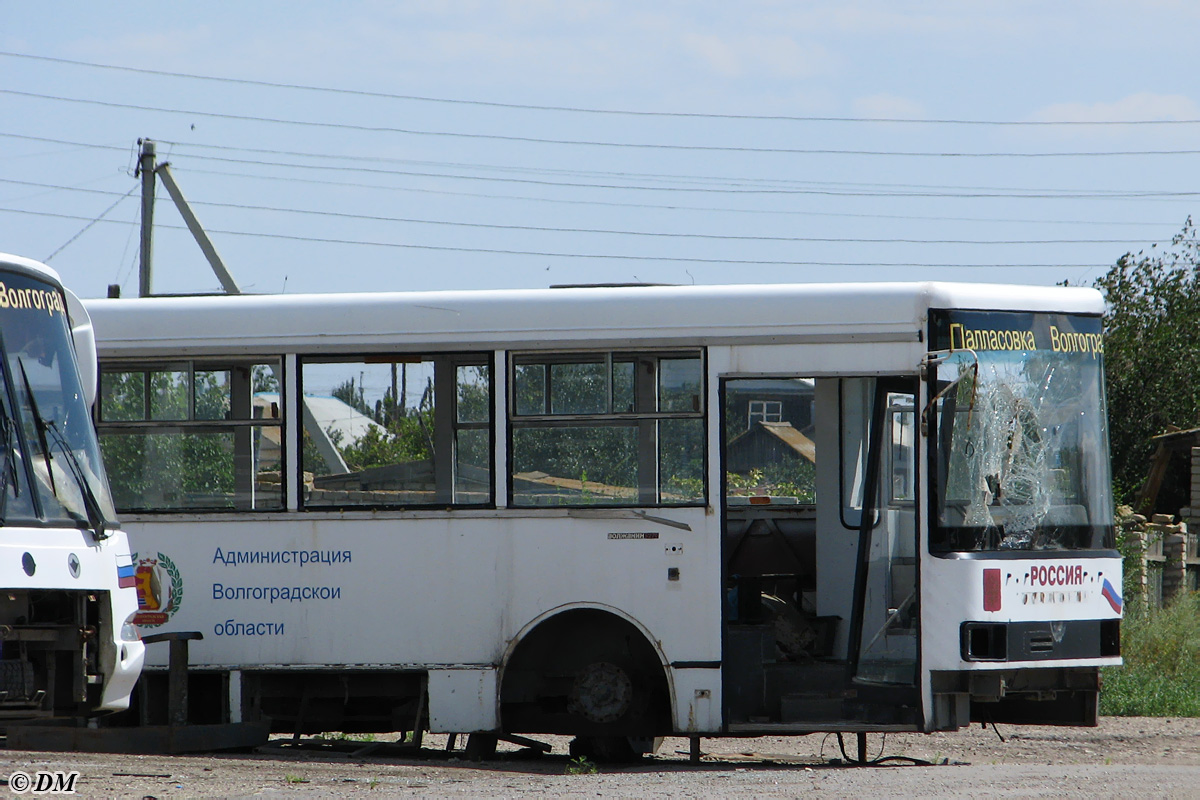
x=597 y=231
x=593 y=143
x=655 y=176
x=734 y=186
x=64 y=142
x=663 y=207
x=84 y=229
x=568 y=201
x=545 y=254
x=734 y=189
x=585 y=110
x=776 y=185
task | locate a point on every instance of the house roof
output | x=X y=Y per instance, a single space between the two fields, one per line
x=784 y=432
x=331 y=415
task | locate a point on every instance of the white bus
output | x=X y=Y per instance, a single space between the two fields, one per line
x=68 y=646
x=620 y=512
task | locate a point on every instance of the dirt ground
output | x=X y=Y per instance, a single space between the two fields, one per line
x=1124 y=757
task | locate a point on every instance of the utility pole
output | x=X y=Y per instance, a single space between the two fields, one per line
x=198 y=232
x=146 y=168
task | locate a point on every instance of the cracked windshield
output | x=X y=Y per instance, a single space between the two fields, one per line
x=1019 y=430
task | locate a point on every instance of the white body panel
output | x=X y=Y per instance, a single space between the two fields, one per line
x=462 y=700
x=53 y=551
x=453 y=591
x=424 y=590
x=1031 y=590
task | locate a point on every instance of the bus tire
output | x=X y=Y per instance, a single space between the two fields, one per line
x=589 y=673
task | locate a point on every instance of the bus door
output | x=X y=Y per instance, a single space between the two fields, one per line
x=879 y=499
x=819 y=552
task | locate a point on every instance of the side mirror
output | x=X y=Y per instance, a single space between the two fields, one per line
x=84 y=338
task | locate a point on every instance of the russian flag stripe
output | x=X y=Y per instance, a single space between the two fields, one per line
x=125 y=577
x=1110 y=594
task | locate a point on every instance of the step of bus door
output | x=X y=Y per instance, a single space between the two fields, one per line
x=805 y=692
x=810 y=708
x=804 y=677
x=747 y=648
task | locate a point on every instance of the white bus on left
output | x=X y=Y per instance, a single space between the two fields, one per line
x=68 y=645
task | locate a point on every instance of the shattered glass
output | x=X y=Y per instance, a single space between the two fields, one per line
x=1023 y=451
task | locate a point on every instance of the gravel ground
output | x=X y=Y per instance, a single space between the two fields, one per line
x=1124 y=757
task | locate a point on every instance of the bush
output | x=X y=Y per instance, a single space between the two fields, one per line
x=1161 y=674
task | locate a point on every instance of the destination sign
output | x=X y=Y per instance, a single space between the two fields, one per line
x=995 y=331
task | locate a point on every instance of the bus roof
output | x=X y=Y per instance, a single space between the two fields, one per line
x=564 y=318
x=8 y=261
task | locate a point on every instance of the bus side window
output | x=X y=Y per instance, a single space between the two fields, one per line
x=396 y=431
x=607 y=428
x=186 y=435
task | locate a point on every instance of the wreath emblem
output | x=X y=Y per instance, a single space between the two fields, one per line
x=159 y=589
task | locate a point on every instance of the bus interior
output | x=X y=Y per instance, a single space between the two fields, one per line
x=799 y=531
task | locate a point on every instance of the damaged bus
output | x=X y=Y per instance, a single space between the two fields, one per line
x=622 y=512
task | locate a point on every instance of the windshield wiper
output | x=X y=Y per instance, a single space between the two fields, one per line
x=39 y=425
x=8 y=470
x=95 y=514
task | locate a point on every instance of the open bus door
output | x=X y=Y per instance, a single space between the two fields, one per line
x=821 y=622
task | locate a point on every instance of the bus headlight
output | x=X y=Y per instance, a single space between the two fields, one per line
x=129 y=631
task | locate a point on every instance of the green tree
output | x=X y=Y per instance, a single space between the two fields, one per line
x=404 y=440
x=1152 y=356
x=403 y=434
x=352 y=395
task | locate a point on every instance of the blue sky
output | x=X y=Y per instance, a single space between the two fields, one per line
x=770 y=163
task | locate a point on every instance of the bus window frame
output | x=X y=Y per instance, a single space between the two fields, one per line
x=609 y=356
x=455 y=360
x=193 y=424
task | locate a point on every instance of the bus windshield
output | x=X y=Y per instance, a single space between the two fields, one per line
x=1018 y=433
x=50 y=471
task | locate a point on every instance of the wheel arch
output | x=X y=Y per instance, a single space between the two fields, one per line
x=608 y=619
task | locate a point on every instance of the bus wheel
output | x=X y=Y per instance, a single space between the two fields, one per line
x=602 y=693
x=588 y=673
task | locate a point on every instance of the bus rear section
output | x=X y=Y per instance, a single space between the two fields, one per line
x=68 y=647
